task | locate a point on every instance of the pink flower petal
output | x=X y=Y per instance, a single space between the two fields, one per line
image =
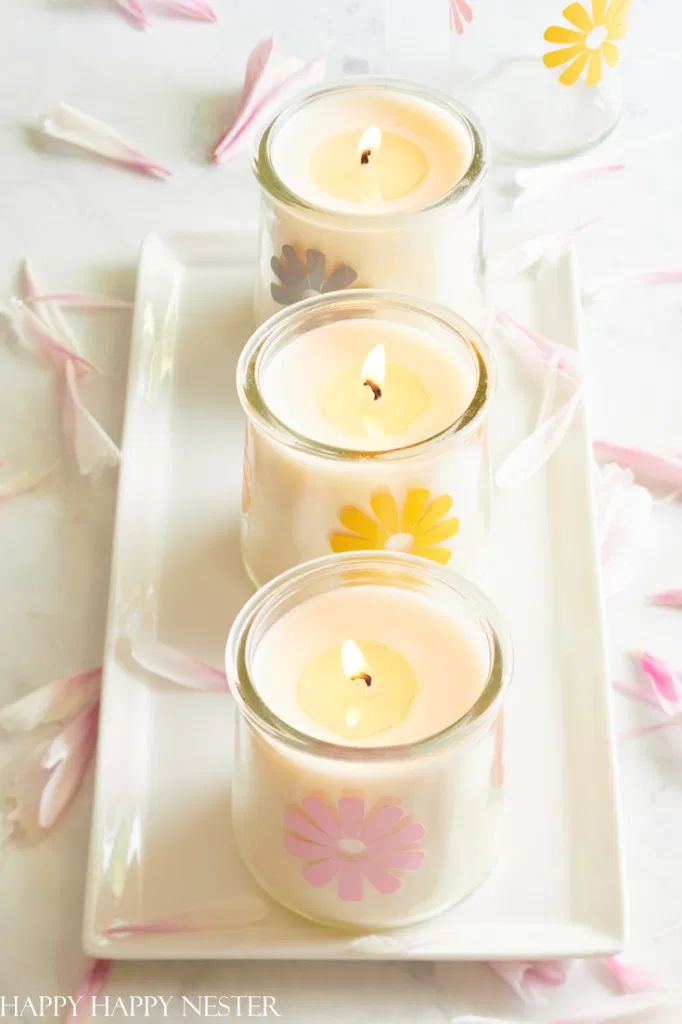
x=642 y=278
x=305 y=849
x=318 y=811
x=301 y=826
x=548 y=246
x=537 y=348
x=50 y=314
x=32 y=332
x=563 y=172
x=269 y=80
x=527 y=978
x=626 y=535
x=651 y=469
x=667 y=598
x=630 y=978
x=25 y=480
x=351 y=815
x=531 y=454
x=68 y=124
x=135 y=10
x=81 y=302
x=380 y=822
x=89 y=987
x=92 y=446
x=178 y=666
x=666 y=682
x=46 y=783
x=350 y=880
x=67 y=758
x=379 y=878
x=53 y=702
x=403 y=859
x=199 y=9
x=459 y=13
x=322 y=871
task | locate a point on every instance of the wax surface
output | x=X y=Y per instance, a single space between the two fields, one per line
x=428 y=150
x=446 y=650
x=315 y=385
x=390 y=169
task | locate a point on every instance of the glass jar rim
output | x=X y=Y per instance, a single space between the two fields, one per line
x=270 y=181
x=295 y=317
x=259 y=714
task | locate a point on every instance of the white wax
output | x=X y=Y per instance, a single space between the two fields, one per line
x=291 y=382
x=446 y=648
x=442 y=138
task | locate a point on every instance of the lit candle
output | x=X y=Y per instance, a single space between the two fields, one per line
x=352 y=437
x=401 y=725
x=372 y=185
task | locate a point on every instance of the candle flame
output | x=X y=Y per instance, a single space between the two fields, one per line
x=353 y=662
x=369 y=141
x=373 y=371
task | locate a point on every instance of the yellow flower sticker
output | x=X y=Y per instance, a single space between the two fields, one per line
x=591 y=41
x=420 y=529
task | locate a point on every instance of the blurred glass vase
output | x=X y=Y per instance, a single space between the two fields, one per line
x=544 y=79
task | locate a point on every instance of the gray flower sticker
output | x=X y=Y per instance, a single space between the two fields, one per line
x=300 y=278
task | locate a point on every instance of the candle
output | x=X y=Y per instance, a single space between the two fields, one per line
x=367 y=788
x=372 y=184
x=365 y=429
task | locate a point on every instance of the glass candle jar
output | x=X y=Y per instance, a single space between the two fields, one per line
x=368 y=808
x=336 y=461
x=545 y=78
x=372 y=183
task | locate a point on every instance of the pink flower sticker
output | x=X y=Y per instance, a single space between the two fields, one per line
x=358 y=848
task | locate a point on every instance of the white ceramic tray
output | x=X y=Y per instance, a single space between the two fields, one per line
x=161 y=848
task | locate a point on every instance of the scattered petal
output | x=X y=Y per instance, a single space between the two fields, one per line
x=667 y=599
x=665 y=682
x=51 y=315
x=199 y=9
x=81 y=302
x=626 y=534
x=46 y=784
x=135 y=10
x=528 y=978
x=549 y=246
x=53 y=702
x=652 y=470
x=622 y=282
x=249 y=910
x=33 y=333
x=537 y=348
x=68 y=124
x=631 y=979
x=531 y=454
x=92 y=446
x=87 y=989
x=270 y=78
x=178 y=666
x=562 y=172
x=66 y=758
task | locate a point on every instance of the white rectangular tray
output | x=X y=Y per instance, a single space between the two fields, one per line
x=161 y=844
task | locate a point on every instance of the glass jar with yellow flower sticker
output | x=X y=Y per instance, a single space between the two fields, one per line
x=366 y=428
x=544 y=75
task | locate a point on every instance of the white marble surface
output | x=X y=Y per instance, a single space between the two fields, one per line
x=171 y=90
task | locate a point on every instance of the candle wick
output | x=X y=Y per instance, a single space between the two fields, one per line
x=364 y=676
x=364 y=156
x=376 y=390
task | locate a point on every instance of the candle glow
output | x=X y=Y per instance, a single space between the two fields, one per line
x=374 y=370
